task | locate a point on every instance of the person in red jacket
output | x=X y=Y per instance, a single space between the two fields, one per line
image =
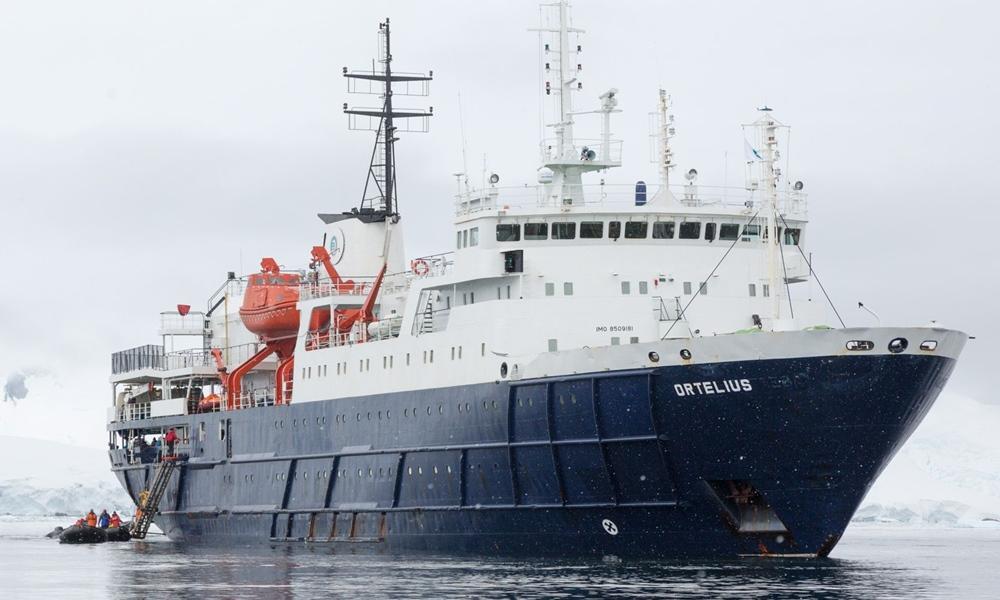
x=116 y=521
x=91 y=518
x=170 y=439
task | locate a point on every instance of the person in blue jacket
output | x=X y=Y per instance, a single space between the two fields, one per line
x=104 y=519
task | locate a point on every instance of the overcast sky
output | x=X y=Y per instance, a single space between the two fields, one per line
x=146 y=148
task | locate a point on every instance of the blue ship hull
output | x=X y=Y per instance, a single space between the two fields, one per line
x=755 y=457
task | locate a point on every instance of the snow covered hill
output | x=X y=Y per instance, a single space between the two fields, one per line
x=948 y=473
x=39 y=477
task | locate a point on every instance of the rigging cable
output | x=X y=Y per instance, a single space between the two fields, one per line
x=813 y=273
x=702 y=286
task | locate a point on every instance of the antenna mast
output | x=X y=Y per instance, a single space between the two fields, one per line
x=767 y=157
x=379 y=199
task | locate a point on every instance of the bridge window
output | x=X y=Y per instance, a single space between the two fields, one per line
x=643 y=287
x=508 y=232
x=553 y=345
x=753 y=289
x=568 y=288
x=550 y=289
x=750 y=232
x=663 y=230
x=536 y=231
x=690 y=230
x=710 y=231
x=591 y=230
x=458 y=240
x=474 y=236
x=792 y=236
x=614 y=229
x=729 y=231
x=636 y=230
x=563 y=231
x=687 y=288
x=626 y=288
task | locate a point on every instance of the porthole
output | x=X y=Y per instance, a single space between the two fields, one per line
x=409 y=470
x=380 y=471
x=440 y=409
x=898 y=345
x=686 y=354
x=435 y=470
x=406 y=412
x=317 y=420
x=420 y=470
x=449 y=469
x=503 y=370
x=467 y=407
x=305 y=475
x=928 y=345
x=359 y=417
x=282 y=423
x=388 y=414
x=324 y=420
x=275 y=424
x=428 y=410
x=860 y=345
x=484 y=404
x=360 y=473
x=379 y=415
x=369 y=415
x=371 y=473
x=654 y=357
x=494 y=403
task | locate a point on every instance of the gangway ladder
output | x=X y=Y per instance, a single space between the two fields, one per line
x=427 y=323
x=149 y=508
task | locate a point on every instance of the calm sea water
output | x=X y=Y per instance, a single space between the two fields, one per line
x=869 y=563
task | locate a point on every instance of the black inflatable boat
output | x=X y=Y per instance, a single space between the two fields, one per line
x=94 y=535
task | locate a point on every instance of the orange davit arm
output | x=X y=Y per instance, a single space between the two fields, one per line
x=321 y=256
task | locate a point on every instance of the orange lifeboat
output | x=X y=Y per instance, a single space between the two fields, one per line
x=270 y=307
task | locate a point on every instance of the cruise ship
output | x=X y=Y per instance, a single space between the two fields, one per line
x=647 y=370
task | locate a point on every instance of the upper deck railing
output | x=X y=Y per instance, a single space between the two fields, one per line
x=433 y=265
x=684 y=198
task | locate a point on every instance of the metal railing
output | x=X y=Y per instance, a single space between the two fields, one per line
x=151 y=357
x=791 y=203
x=583 y=151
x=669 y=310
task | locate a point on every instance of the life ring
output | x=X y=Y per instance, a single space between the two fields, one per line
x=420 y=267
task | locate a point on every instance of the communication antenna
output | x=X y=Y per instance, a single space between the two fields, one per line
x=379 y=199
x=465 y=163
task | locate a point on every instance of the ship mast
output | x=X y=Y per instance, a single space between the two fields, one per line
x=563 y=161
x=766 y=134
x=379 y=199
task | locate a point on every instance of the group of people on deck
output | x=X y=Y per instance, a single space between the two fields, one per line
x=104 y=521
x=144 y=452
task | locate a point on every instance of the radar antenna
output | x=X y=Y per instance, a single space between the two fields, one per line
x=379 y=199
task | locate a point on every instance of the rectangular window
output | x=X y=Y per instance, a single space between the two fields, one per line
x=591 y=230
x=452 y=353
x=753 y=290
x=614 y=230
x=508 y=292
x=704 y=288
x=482 y=349
x=710 y=231
x=432 y=356
x=633 y=340
x=474 y=236
x=550 y=289
x=465 y=299
x=626 y=288
x=750 y=232
x=636 y=230
x=472 y=297
x=498 y=293
x=536 y=231
x=792 y=236
x=553 y=345
x=687 y=288
x=663 y=230
x=729 y=231
x=459 y=353
x=508 y=232
x=767 y=290
x=465 y=238
x=458 y=240
x=568 y=288
x=643 y=287
x=615 y=341
x=690 y=230
x=563 y=231
x=407 y=359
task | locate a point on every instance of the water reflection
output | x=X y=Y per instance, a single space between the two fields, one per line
x=310 y=571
